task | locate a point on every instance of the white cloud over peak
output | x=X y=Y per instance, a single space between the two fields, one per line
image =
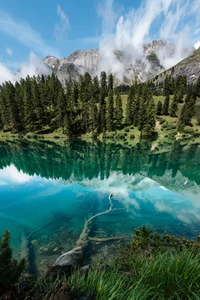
x=176 y=21
x=197 y=45
x=61 y=29
x=33 y=66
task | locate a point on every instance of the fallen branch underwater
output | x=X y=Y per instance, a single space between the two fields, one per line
x=84 y=237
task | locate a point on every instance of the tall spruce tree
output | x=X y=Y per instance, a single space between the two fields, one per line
x=159 y=108
x=110 y=111
x=165 y=109
x=129 y=106
x=173 y=106
x=110 y=82
x=102 y=104
x=118 y=110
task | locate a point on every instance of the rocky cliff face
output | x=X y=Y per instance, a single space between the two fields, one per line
x=146 y=67
x=190 y=66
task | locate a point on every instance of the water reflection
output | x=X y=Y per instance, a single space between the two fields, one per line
x=43 y=181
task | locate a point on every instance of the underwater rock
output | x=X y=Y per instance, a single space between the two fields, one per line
x=34 y=242
x=71 y=258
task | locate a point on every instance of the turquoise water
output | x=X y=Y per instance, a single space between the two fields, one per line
x=47 y=190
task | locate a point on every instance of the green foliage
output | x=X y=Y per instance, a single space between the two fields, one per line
x=118 y=111
x=39 y=104
x=159 y=108
x=174 y=106
x=150 y=267
x=10 y=269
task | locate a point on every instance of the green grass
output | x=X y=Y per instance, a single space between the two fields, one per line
x=149 y=267
x=164 y=276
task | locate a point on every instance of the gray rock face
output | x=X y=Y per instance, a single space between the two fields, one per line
x=88 y=59
x=142 y=69
x=71 y=258
x=190 y=66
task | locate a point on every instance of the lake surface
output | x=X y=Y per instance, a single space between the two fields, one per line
x=47 y=190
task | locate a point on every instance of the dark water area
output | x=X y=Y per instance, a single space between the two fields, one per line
x=47 y=190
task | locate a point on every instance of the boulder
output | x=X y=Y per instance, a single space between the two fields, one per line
x=71 y=258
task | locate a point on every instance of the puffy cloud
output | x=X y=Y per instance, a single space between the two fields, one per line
x=33 y=66
x=174 y=21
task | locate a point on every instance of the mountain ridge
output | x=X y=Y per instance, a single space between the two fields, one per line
x=150 y=63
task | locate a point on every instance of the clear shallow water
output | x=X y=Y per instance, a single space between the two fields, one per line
x=47 y=190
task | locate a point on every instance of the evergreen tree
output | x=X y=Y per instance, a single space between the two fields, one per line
x=166 y=87
x=110 y=82
x=118 y=110
x=197 y=88
x=28 y=106
x=93 y=116
x=159 y=108
x=165 y=110
x=110 y=112
x=149 y=127
x=102 y=105
x=129 y=106
x=10 y=269
x=173 y=106
x=96 y=89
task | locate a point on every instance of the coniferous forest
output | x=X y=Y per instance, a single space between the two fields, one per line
x=40 y=104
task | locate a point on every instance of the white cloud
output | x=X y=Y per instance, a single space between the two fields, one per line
x=11 y=175
x=175 y=21
x=9 y=51
x=22 y=32
x=33 y=66
x=61 y=29
x=197 y=45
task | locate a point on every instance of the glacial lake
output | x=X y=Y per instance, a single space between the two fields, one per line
x=47 y=190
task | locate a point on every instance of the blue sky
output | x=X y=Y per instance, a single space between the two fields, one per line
x=61 y=27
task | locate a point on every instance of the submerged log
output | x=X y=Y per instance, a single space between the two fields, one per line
x=72 y=258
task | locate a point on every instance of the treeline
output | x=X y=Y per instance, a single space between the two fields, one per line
x=89 y=105
x=40 y=104
x=91 y=160
x=182 y=93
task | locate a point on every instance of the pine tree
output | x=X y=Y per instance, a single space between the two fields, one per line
x=102 y=105
x=93 y=116
x=165 y=110
x=173 y=106
x=96 y=89
x=159 y=108
x=197 y=88
x=118 y=110
x=10 y=269
x=110 y=112
x=149 y=127
x=129 y=106
x=110 y=82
